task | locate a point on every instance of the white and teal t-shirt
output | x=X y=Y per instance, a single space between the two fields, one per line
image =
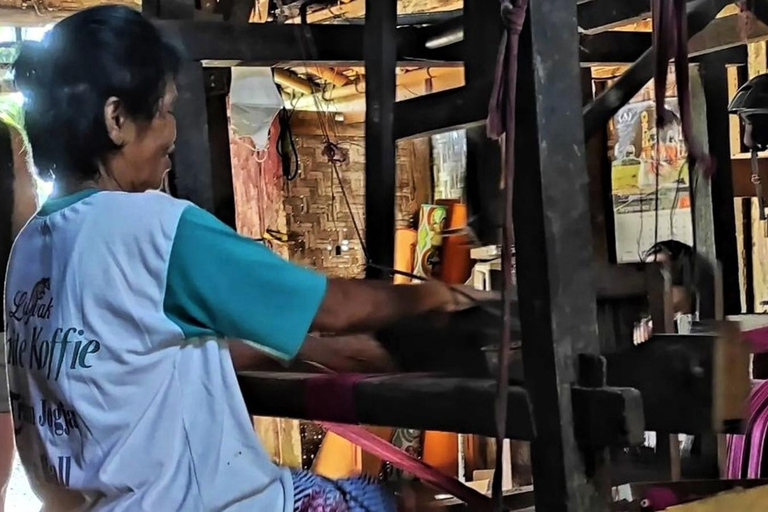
x=122 y=398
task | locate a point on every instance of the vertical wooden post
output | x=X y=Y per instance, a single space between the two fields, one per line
x=749 y=276
x=192 y=160
x=714 y=77
x=202 y=171
x=598 y=165
x=217 y=81
x=483 y=30
x=380 y=63
x=555 y=257
x=482 y=33
x=701 y=196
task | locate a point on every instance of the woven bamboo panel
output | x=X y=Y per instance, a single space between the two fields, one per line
x=319 y=219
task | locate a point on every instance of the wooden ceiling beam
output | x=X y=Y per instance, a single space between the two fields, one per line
x=52 y=12
x=356 y=9
x=601 y=15
x=271 y=43
x=728 y=32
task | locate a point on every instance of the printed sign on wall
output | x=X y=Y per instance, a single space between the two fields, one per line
x=650 y=179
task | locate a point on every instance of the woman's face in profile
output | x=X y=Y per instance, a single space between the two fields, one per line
x=681 y=299
x=143 y=159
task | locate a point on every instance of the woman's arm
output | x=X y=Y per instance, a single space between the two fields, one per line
x=347 y=354
x=354 y=306
x=24 y=191
x=221 y=283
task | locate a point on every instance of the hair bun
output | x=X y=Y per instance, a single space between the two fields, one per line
x=29 y=65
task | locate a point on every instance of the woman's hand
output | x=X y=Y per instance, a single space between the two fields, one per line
x=466 y=297
x=643 y=331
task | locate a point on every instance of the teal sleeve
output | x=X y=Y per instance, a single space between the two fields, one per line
x=220 y=283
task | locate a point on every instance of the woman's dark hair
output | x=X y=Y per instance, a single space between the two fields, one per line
x=99 y=53
x=682 y=259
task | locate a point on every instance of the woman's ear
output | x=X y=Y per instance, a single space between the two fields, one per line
x=116 y=121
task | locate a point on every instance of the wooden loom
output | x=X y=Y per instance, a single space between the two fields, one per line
x=570 y=403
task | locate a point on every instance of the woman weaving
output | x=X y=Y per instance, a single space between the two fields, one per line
x=116 y=295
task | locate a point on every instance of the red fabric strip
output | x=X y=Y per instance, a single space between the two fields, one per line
x=376 y=446
x=756 y=426
x=501 y=120
x=332 y=397
x=757 y=339
x=670 y=39
x=745 y=451
x=735 y=457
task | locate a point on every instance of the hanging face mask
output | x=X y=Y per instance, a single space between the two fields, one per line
x=254 y=103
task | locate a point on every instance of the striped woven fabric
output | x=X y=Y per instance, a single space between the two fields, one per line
x=745 y=452
x=313 y=493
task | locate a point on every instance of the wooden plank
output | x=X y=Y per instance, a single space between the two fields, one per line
x=678 y=379
x=380 y=172
x=728 y=32
x=598 y=166
x=466 y=107
x=271 y=43
x=689 y=383
x=443 y=404
x=743 y=500
x=608 y=416
x=484 y=168
x=202 y=169
x=734 y=82
x=554 y=259
x=171 y=9
x=426 y=403
x=601 y=15
x=742 y=176
x=217 y=89
x=482 y=33
x=759 y=259
x=50 y=12
x=351 y=9
x=615 y=48
x=702 y=203
x=687 y=491
x=192 y=173
x=463 y=107
x=745 y=255
x=609 y=48
x=714 y=75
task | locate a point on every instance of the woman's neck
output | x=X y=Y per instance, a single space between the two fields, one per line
x=64 y=189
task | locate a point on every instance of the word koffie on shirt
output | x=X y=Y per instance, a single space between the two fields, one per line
x=66 y=347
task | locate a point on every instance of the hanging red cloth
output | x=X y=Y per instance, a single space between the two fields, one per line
x=670 y=40
x=501 y=121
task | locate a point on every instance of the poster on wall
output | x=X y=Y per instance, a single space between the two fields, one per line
x=650 y=179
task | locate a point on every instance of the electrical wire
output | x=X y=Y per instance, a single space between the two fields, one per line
x=286 y=139
x=678 y=187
